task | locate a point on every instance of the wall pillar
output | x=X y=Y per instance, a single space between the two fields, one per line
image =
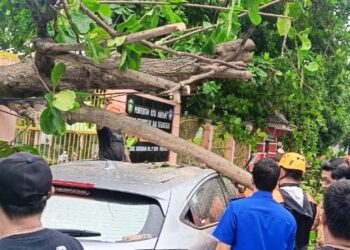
x=7 y=120
x=208 y=133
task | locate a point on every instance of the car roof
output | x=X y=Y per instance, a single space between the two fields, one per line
x=150 y=180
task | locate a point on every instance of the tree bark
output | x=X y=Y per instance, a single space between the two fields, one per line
x=133 y=127
x=21 y=80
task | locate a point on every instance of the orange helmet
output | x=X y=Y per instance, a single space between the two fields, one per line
x=293 y=161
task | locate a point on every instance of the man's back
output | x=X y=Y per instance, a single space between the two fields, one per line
x=303 y=208
x=45 y=239
x=257 y=222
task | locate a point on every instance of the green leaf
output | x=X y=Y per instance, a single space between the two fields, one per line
x=116 y=42
x=283 y=26
x=312 y=67
x=58 y=122
x=96 y=51
x=131 y=141
x=177 y=1
x=64 y=100
x=292 y=33
x=91 y=4
x=170 y=15
x=294 y=10
x=209 y=47
x=155 y=19
x=65 y=35
x=105 y=10
x=261 y=73
x=237 y=121
x=134 y=60
x=98 y=33
x=28 y=149
x=82 y=22
x=45 y=120
x=128 y=24
x=6 y=149
x=123 y=63
x=306 y=43
x=49 y=98
x=56 y=74
x=139 y=48
x=76 y=106
x=253 y=11
x=82 y=94
x=74 y=4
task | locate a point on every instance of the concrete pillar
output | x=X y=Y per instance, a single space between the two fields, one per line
x=230 y=149
x=7 y=121
x=208 y=133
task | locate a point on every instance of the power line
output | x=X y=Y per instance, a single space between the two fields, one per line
x=6 y=112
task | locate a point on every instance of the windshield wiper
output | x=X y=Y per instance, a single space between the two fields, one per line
x=78 y=233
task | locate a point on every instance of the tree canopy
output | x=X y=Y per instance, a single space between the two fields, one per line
x=201 y=50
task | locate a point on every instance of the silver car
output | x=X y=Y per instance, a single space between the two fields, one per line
x=117 y=205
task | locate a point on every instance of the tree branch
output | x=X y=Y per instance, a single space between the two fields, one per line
x=40 y=78
x=213 y=25
x=99 y=21
x=212 y=7
x=150 y=33
x=71 y=23
x=137 y=128
x=235 y=65
x=112 y=69
x=45 y=46
x=40 y=23
x=215 y=69
x=138 y=36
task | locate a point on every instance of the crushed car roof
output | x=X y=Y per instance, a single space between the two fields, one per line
x=145 y=179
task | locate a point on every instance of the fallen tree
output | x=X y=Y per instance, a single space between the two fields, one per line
x=161 y=138
x=32 y=77
x=23 y=80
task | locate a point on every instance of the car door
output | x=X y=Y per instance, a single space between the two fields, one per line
x=203 y=212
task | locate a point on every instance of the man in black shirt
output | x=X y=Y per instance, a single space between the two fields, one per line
x=25 y=186
x=111 y=144
x=336 y=204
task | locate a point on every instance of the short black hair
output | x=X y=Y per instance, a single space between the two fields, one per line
x=336 y=205
x=342 y=171
x=266 y=173
x=15 y=212
x=332 y=164
x=293 y=174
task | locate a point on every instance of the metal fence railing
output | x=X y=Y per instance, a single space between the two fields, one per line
x=76 y=144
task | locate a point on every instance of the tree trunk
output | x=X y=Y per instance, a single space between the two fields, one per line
x=133 y=127
x=22 y=79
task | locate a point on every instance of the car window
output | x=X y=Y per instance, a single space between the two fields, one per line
x=206 y=205
x=116 y=216
x=230 y=191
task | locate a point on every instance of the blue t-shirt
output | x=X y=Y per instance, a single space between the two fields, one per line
x=257 y=223
x=45 y=239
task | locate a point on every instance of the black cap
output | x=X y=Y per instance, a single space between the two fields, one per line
x=25 y=179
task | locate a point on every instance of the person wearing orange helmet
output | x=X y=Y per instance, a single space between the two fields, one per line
x=298 y=202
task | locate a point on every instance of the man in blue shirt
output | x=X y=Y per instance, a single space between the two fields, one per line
x=257 y=222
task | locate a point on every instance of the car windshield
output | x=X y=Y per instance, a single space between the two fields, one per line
x=115 y=216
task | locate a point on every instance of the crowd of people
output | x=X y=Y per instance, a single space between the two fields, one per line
x=278 y=215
